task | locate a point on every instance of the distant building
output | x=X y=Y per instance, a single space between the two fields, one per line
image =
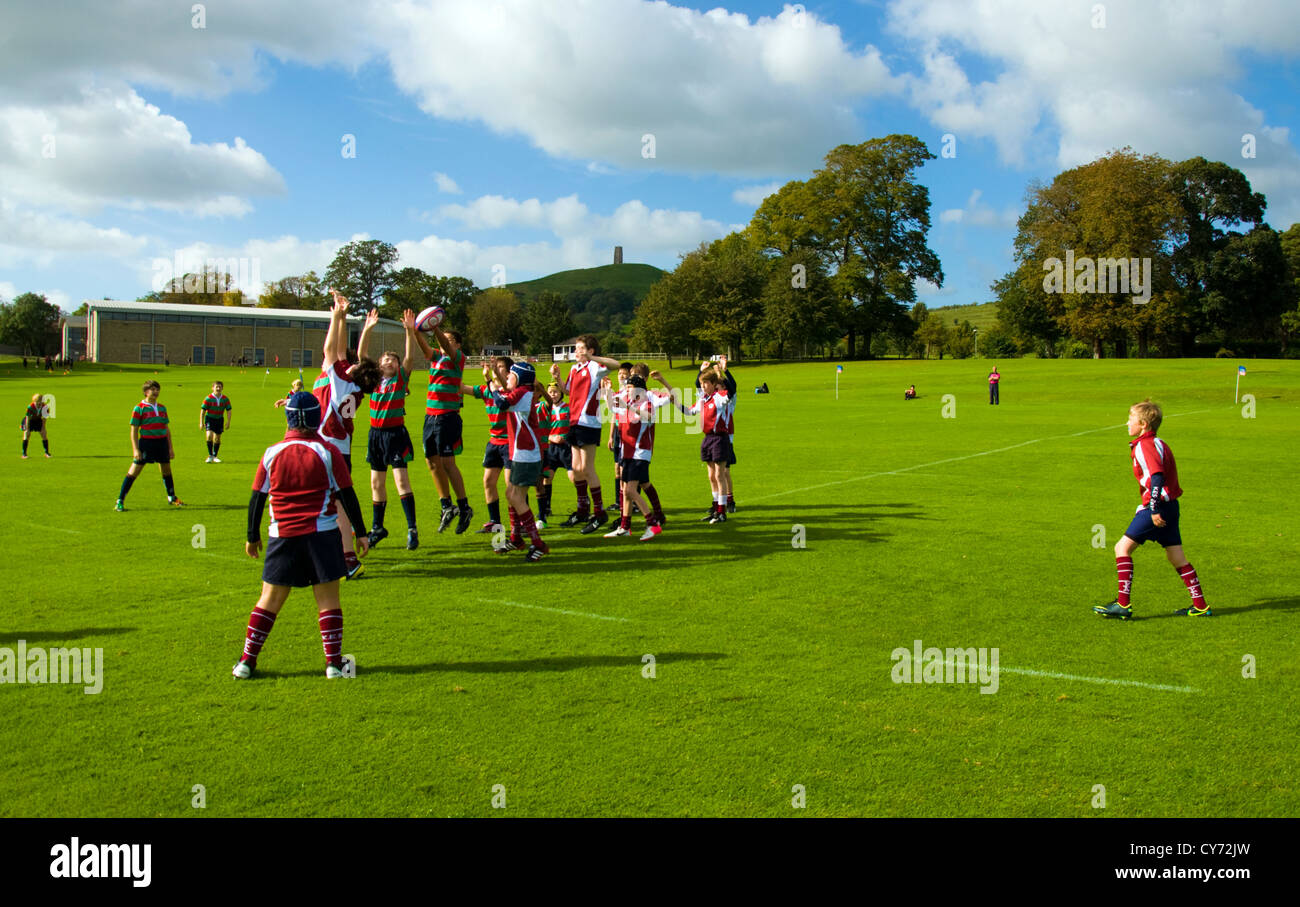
x=565 y=350
x=152 y=332
x=618 y=255
x=72 y=334
x=498 y=350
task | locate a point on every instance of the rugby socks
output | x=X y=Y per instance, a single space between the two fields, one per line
x=529 y=526
x=126 y=486
x=331 y=636
x=618 y=496
x=1124 y=571
x=408 y=508
x=45 y=444
x=515 y=526
x=171 y=488
x=626 y=522
x=446 y=503
x=544 y=501
x=584 y=505
x=24 y=448
x=653 y=497
x=210 y=451
x=1188 y=574
x=731 y=498
x=719 y=503
x=377 y=517
x=259 y=627
x=216 y=448
x=596 y=499
x=462 y=504
x=494 y=511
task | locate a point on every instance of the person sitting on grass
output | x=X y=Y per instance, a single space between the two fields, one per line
x=910 y=393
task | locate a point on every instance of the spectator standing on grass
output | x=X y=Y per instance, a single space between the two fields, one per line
x=994 y=378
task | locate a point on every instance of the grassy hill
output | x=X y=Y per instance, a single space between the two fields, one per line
x=981 y=315
x=635 y=278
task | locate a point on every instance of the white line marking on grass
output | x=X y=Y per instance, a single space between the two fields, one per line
x=1030 y=672
x=982 y=453
x=553 y=610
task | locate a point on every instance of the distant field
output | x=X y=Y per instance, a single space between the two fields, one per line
x=773 y=664
x=981 y=315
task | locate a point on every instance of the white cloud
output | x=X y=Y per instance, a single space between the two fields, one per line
x=978 y=214
x=7 y=291
x=1156 y=77
x=754 y=195
x=718 y=91
x=37 y=237
x=446 y=184
x=110 y=147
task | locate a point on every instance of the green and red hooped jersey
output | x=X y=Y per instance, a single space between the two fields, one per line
x=496 y=416
x=445 y=377
x=388 y=401
x=151 y=419
x=558 y=428
x=214 y=406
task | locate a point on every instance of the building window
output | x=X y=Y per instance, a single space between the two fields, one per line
x=199 y=357
x=255 y=356
x=300 y=358
x=151 y=355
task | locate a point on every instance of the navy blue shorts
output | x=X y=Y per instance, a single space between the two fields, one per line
x=215 y=425
x=442 y=435
x=305 y=560
x=388 y=447
x=715 y=449
x=494 y=457
x=636 y=471
x=153 y=450
x=1143 y=530
x=558 y=456
x=584 y=436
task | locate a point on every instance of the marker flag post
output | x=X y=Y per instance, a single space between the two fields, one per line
x=1241 y=370
x=838 y=369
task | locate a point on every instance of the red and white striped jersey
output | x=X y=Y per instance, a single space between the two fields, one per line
x=636 y=425
x=339 y=398
x=524 y=436
x=1151 y=455
x=715 y=411
x=302 y=477
x=583 y=391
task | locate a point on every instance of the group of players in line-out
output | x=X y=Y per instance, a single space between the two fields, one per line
x=317 y=533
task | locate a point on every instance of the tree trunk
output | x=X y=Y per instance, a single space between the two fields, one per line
x=1096 y=348
x=1144 y=345
x=1121 y=346
x=853 y=342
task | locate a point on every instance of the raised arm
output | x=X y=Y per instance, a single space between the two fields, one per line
x=338 y=316
x=408 y=322
x=363 y=342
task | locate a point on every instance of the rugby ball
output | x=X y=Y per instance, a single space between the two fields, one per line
x=429 y=318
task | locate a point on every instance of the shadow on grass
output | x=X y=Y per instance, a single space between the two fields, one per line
x=52 y=635
x=1266 y=604
x=524 y=666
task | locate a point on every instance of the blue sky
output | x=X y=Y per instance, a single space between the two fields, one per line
x=509 y=135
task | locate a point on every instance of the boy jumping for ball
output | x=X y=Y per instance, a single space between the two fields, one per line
x=1157 y=517
x=215 y=406
x=443 y=425
x=151 y=442
x=304 y=476
x=389 y=443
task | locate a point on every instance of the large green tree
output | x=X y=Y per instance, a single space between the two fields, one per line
x=31 y=323
x=363 y=272
x=495 y=318
x=665 y=318
x=547 y=321
x=866 y=216
x=304 y=292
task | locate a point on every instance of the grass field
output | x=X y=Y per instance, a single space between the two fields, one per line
x=772 y=663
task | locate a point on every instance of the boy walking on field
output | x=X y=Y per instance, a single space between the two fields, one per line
x=216 y=419
x=1157 y=517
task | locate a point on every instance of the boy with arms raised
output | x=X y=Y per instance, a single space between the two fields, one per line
x=714 y=410
x=389 y=443
x=304 y=477
x=1156 y=518
x=443 y=426
x=345 y=378
x=216 y=405
x=634 y=420
x=525 y=457
x=582 y=387
x=151 y=442
x=496 y=455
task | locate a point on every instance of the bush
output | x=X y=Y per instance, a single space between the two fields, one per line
x=1076 y=349
x=1224 y=353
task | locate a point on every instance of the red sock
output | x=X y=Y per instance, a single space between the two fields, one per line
x=529 y=526
x=618 y=496
x=596 y=498
x=331 y=635
x=259 y=627
x=1124 y=570
x=731 y=498
x=1188 y=574
x=584 y=506
x=626 y=522
x=514 y=526
x=653 y=497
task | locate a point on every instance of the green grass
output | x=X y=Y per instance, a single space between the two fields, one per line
x=773 y=663
x=635 y=278
x=981 y=315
